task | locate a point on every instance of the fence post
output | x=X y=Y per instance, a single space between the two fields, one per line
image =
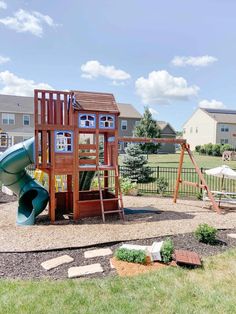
x=201 y=169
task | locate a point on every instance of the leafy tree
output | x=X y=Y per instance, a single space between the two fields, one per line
x=148 y=128
x=135 y=165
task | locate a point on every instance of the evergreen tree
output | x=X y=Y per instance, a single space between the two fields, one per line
x=148 y=128
x=135 y=165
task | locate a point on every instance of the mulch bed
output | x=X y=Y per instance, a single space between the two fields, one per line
x=27 y=265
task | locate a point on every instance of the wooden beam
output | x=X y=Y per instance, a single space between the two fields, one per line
x=151 y=140
x=178 y=180
x=214 y=204
x=197 y=185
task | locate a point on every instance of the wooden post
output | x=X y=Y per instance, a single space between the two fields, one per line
x=214 y=204
x=178 y=180
x=76 y=176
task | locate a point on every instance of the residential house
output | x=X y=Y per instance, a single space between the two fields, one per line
x=216 y=126
x=166 y=131
x=128 y=119
x=16 y=119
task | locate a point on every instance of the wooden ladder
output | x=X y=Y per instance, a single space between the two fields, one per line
x=117 y=197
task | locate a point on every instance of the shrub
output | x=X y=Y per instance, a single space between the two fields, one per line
x=225 y=147
x=162 y=185
x=199 y=196
x=167 y=250
x=216 y=150
x=132 y=256
x=126 y=185
x=197 y=148
x=206 y=234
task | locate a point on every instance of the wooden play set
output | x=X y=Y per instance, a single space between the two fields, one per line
x=71 y=128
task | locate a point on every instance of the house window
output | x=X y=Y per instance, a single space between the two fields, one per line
x=196 y=129
x=8 y=118
x=137 y=123
x=184 y=131
x=224 y=128
x=191 y=130
x=87 y=121
x=123 y=124
x=224 y=141
x=26 y=119
x=3 y=139
x=106 y=121
x=63 y=141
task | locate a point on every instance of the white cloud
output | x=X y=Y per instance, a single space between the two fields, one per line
x=153 y=111
x=201 y=61
x=213 y=104
x=23 y=21
x=4 y=59
x=14 y=85
x=3 y=5
x=94 y=69
x=161 y=87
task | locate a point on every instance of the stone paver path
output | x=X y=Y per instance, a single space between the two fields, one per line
x=97 y=253
x=55 y=262
x=74 y=272
x=232 y=235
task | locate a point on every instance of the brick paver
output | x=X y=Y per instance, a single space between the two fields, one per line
x=79 y=271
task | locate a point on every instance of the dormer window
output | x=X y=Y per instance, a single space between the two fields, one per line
x=87 y=121
x=106 y=122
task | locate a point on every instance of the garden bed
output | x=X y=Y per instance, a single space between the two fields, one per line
x=27 y=265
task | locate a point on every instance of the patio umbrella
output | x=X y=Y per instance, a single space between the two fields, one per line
x=222 y=172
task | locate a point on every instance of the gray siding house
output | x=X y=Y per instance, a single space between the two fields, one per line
x=167 y=131
x=16 y=119
x=128 y=119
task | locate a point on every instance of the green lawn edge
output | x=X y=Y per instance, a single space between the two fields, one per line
x=210 y=289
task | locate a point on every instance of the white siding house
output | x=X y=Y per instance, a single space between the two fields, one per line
x=216 y=126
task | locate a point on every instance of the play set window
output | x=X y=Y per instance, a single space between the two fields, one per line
x=63 y=142
x=87 y=121
x=106 y=122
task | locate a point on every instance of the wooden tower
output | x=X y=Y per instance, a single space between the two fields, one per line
x=70 y=127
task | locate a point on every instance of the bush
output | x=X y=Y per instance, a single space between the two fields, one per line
x=162 y=185
x=132 y=256
x=197 y=148
x=216 y=150
x=225 y=147
x=206 y=234
x=167 y=250
x=126 y=185
x=199 y=196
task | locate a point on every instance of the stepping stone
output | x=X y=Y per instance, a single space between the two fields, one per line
x=98 y=252
x=74 y=272
x=231 y=235
x=54 y=262
x=183 y=257
x=111 y=264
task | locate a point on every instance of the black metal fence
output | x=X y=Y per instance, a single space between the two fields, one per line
x=170 y=175
x=188 y=174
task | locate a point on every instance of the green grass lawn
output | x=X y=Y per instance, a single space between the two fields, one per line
x=170 y=290
x=172 y=160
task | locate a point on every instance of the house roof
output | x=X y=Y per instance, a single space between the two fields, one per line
x=221 y=115
x=93 y=101
x=163 y=124
x=128 y=111
x=16 y=104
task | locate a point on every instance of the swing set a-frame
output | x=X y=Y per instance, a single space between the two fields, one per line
x=184 y=148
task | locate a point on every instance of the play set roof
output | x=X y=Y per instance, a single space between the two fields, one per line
x=93 y=101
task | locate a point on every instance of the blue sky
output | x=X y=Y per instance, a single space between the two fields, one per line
x=170 y=55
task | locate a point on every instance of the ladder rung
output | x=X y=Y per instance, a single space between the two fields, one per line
x=111 y=199
x=113 y=211
x=87 y=154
